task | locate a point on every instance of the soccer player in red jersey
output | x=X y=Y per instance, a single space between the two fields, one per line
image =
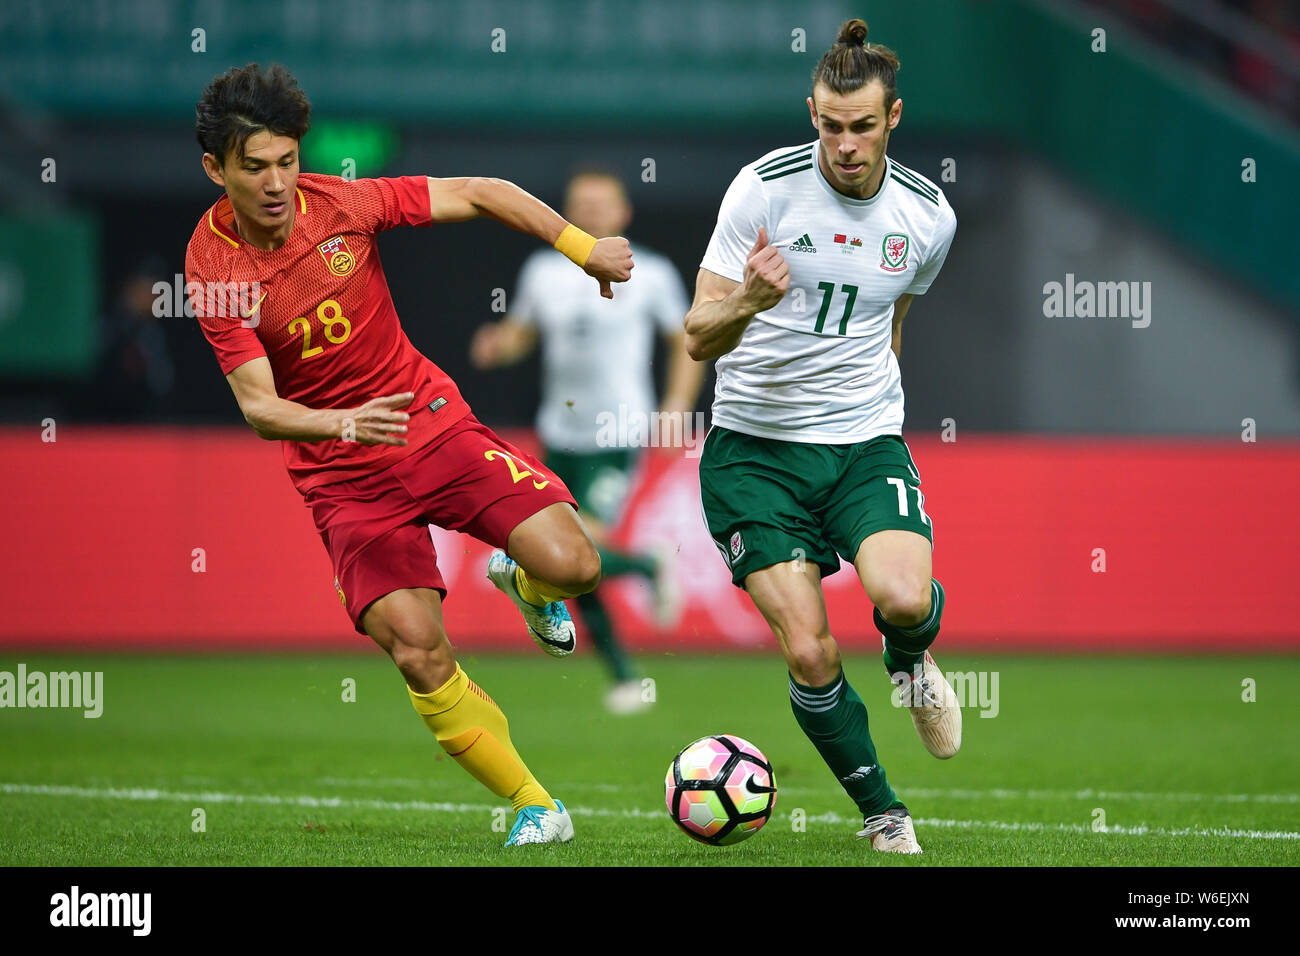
x=285 y=279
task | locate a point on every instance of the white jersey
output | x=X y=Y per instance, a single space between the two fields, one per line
x=596 y=352
x=817 y=366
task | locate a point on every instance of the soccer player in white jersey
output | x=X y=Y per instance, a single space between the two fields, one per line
x=596 y=361
x=817 y=254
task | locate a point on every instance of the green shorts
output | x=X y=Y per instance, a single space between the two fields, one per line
x=768 y=501
x=598 y=480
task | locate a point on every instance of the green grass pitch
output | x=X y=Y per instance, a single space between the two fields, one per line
x=288 y=773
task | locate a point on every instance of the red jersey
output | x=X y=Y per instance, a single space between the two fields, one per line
x=325 y=318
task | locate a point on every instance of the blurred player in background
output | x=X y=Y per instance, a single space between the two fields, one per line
x=596 y=358
x=806 y=458
x=136 y=373
x=377 y=438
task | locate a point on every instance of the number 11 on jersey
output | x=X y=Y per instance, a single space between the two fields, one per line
x=901 y=487
x=828 y=292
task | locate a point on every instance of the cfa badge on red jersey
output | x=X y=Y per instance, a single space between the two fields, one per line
x=337 y=255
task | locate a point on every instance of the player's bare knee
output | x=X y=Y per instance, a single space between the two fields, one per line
x=425 y=668
x=905 y=603
x=580 y=563
x=794 y=619
x=586 y=570
x=575 y=568
x=570 y=563
x=410 y=660
x=406 y=620
x=812 y=657
x=414 y=639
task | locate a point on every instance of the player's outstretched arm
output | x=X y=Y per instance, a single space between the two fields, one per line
x=723 y=307
x=379 y=421
x=455 y=200
x=501 y=343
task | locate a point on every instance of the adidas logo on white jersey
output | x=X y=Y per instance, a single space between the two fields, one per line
x=802 y=244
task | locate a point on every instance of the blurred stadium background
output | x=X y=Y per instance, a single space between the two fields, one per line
x=1169 y=158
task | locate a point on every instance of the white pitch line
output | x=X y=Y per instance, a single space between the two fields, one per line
x=154 y=794
x=207 y=796
x=1141 y=830
x=921 y=793
x=1089 y=794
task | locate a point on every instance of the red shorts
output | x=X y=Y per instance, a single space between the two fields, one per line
x=376 y=528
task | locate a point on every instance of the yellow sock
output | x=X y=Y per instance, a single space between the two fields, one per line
x=474 y=732
x=538 y=592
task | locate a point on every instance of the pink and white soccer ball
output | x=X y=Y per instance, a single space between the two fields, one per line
x=720 y=789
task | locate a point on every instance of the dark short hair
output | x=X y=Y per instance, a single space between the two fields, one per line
x=852 y=63
x=247 y=100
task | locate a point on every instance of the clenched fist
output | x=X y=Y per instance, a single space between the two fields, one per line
x=767 y=276
x=610 y=261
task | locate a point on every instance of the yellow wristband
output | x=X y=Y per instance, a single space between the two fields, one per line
x=575 y=244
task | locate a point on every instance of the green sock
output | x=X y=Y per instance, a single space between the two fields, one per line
x=835 y=720
x=601 y=630
x=905 y=646
x=614 y=563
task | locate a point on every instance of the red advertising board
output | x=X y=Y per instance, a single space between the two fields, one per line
x=194 y=538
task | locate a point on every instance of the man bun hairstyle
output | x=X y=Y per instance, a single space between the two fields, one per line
x=852 y=63
x=247 y=100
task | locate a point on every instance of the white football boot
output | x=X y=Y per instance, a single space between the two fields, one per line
x=626 y=697
x=550 y=627
x=933 y=705
x=540 y=825
x=891 y=832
